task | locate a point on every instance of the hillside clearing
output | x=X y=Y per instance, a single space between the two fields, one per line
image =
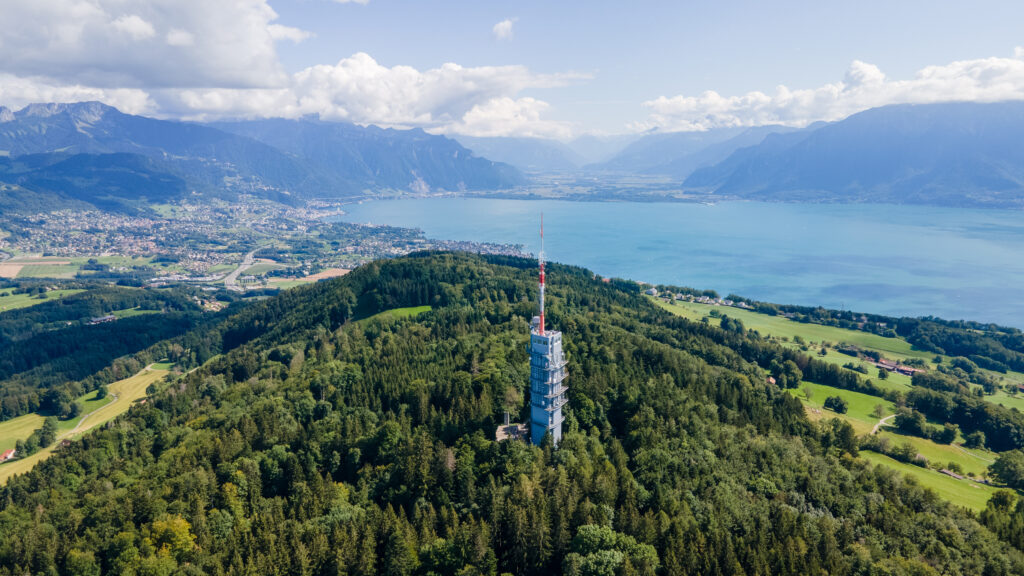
x=123 y=394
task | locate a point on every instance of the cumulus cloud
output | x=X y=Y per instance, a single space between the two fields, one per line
x=134 y=26
x=510 y=117
x=477 y=101
x=864 y=86
x=279 y=32
x=201 y=60
x=503 y=30
x=17 y=92
x=119 y=43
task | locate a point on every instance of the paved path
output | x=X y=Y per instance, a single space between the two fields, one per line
x=882 y=422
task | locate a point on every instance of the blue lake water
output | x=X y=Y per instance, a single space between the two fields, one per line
x=896 y=260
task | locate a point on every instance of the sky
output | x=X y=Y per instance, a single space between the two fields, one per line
x=511 y=68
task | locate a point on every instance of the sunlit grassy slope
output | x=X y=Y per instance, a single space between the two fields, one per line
x=126 y=391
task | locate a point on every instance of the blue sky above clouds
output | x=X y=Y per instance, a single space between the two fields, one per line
x=489 y=68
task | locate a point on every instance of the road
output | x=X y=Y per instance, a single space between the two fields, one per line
x=231 y=280
x=882 y=422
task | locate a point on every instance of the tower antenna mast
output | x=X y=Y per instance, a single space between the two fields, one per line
x=541 y=260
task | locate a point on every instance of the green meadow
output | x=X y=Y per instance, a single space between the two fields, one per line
x=22 y=427
x=964 y=493
x=782 y=327
x=409 y=312
x=10 y=301
x=860 y=411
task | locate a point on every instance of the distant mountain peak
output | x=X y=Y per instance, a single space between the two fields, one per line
x=6 y=115
x=90 y=111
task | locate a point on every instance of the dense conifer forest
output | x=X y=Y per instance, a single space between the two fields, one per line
x=317 y=440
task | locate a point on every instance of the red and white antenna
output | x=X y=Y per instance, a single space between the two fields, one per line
x=540 y=258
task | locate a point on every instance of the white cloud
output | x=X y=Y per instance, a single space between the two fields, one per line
x=296 y=35
x=864 y=86
x=134 y=26
x=201 y=60
x=177 y=37
x=503 y=30
x=447 y=99
x=17 y=92
x=510 y=117
x=172 y=42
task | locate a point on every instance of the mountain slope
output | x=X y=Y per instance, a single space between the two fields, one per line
x=960 y=154
x=320 y=443
x=206 y=157
x=277 y=159
x=534 y=154
x=658 y=149
x=118 y=182
x=682 y=166
x=380 y=158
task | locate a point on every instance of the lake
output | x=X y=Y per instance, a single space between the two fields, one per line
x=894 y=260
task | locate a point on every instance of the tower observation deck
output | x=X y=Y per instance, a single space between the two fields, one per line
x=547 y=383
x=547 y=371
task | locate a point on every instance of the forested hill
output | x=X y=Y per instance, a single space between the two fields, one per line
x=327 y=441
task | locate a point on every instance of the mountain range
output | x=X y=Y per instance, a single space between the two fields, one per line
x=278 y=159
x=89 y=154
x=960 y=154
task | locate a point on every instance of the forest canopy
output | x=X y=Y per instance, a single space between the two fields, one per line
x=323 y=441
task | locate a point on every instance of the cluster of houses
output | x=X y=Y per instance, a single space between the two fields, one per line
x=102 y=319
x=698 y=299
x=894 y=367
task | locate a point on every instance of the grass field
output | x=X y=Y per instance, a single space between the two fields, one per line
x=400 y=312
x=779 y=326
x=22 y=427
x=961 y=492
x=974 y=462
x=859 y=413
x=133 y=312
x=286 y=284
x=127 y=391
x=1010 y=401
x=48 y=271
x=9 y=301
x=262 y=268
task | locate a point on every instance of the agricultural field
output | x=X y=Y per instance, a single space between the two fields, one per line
x=966 y=493
x=123 y=394
x=262 y=267
x=10 y=301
